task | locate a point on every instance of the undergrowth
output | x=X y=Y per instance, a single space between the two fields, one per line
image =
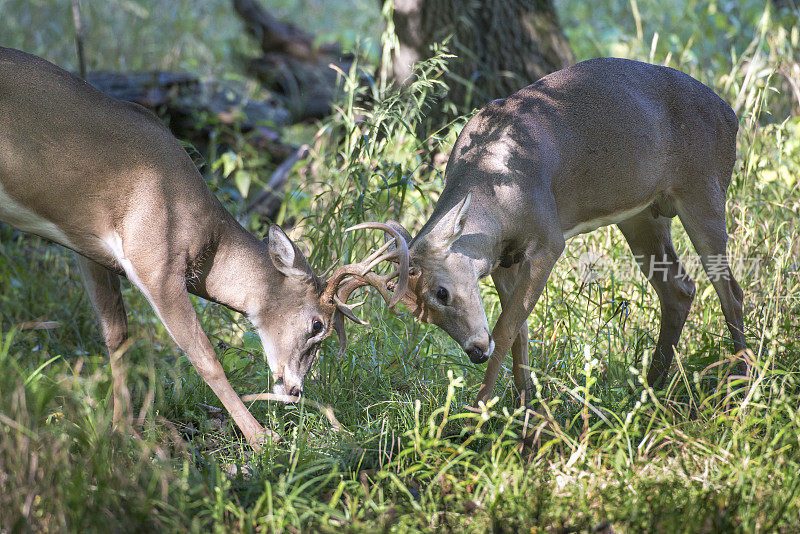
x=596 y=450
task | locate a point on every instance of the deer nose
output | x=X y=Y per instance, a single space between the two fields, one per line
x=295 y=391
x=476 y=355
x=480 y=352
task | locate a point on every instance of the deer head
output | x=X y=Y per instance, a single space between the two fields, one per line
x=443 y=285
x=292 y=334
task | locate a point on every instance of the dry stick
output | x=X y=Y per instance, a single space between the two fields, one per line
x=278 y=179
x=324 y=408
x=76 y=19
x=38 y=324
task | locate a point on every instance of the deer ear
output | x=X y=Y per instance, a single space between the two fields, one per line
x=451 y=226
x=283 y=254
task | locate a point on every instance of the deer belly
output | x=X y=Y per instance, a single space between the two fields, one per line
x=593 y=224
x=26 y=220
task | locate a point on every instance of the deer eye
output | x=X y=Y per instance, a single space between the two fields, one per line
x=442 y=295
x=316 y=327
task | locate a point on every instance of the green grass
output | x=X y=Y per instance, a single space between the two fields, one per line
x=705 y=455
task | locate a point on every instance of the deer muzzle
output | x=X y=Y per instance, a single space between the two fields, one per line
x=479 y=352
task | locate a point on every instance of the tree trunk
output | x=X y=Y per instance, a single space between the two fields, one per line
x=502 y=45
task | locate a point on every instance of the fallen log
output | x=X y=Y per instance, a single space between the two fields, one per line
x=291 y=65
x=187 y=105
x=267 y=203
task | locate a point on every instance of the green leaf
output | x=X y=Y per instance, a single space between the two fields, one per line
x=251 y=342
x=228 y=161
x=243 y=179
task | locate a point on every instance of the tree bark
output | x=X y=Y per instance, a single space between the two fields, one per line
x=502 y=45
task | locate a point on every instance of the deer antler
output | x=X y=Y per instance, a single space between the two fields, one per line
x=359 y=274
x=348 y=278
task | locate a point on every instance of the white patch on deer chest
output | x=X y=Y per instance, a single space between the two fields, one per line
x=27 y=220
x=114 y=243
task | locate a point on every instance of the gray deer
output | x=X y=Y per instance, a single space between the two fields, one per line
x=606 y=141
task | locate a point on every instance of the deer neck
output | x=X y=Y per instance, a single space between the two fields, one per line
x=481 y=248
x=235 y=270
x=481 y=241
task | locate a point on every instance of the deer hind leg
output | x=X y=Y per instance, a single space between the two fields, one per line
x=504 y=279
x=104 y=293
x=650 y=241
x=703 y=217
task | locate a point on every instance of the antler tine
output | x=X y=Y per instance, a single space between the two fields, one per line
x=351 y=269
x=400 y=253
x=360 y=272
x=362 y=267
x=333 y=282
x=377 y=281
x=348 y=311
x=376 y=257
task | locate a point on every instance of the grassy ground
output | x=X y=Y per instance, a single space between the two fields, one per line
x=601 y=451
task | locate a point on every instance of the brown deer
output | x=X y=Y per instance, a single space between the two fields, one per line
x=606 y=141
x=108 y=180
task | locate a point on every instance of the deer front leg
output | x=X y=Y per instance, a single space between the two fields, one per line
x=504 y=281
x=533 y=273
x=104 y=293
x=170 y=300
